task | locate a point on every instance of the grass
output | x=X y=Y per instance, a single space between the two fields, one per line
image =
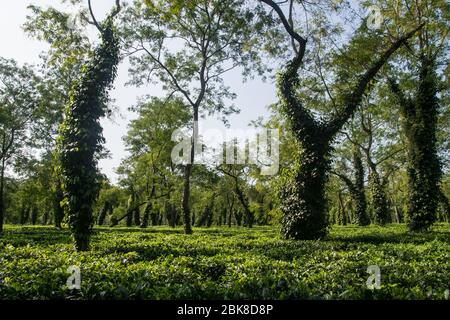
x=226 y=263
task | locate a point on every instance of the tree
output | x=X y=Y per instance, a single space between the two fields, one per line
x=210 y=37
x=61 y=66
x=19 y=101
x=418 y=87
x=424 y=169
x=356 y=187
x=234 y=172
x=81 y=134
x=303 y=206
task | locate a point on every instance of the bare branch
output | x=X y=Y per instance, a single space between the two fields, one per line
x=94 y=20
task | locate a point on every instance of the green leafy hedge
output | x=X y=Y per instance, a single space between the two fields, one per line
x=222 y=263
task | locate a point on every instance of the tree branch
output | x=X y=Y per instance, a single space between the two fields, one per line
x=301 y=41
x=353 y=98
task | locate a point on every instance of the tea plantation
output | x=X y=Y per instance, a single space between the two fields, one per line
x=226 y=263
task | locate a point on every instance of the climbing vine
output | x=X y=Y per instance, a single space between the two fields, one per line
x=379 y=201
x=80 y=135
x=424 y=169
x=361 y=217
x=303 y=202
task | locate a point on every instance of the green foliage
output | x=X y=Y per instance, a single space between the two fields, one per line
x=379 y=201
x=303 y=205
x=424 y=169
x=80 y=140
x=361 y=216
x=223 y=263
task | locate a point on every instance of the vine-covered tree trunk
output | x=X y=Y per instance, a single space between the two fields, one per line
x=379 y=200
x=81 y=139
x=357 y=190
x=424 y=171
x=107 y=208
x=445 y=206
x=2 y=191
x=23 y=213
x=238 y=217
x=147 y=212
x=243 y=199
x=58 y=210
x=34 y=215
x=359 y=195
x=303 y=198
x=342 y=216
x=137 y=217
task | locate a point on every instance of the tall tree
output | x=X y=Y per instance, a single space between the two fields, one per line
x=419 y=85
x=188 y=46
x=424 y=170
x=80 y=140
x=235 y=172
x=19 y=107
x=60 y=67
x=356 y=187
x=303 y=206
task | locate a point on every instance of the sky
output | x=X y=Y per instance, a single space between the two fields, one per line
x=253 y=96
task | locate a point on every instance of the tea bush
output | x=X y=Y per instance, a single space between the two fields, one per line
x=226 y=263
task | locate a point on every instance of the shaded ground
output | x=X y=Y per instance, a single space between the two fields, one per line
x=226 y=263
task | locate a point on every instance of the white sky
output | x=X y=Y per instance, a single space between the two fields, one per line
x=252 y=96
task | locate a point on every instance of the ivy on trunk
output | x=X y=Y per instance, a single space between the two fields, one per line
x=80 y=140
x=303 y=197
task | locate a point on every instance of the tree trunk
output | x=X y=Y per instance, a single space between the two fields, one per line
x=420 y=124
x=137 y=216
x=303 y=205
x=187 y=177
x=379 y=200
x=103 y=212
x=361 y=216
x=238 y=217
x=23 y=212
x=58 y=211
x=45 y=218
x=147 y=211
x=230 y=206
x=34 y=215
x=303 y=199
x=424 y=168
x=342 y=218
x=129 y=221
x=249 y=215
